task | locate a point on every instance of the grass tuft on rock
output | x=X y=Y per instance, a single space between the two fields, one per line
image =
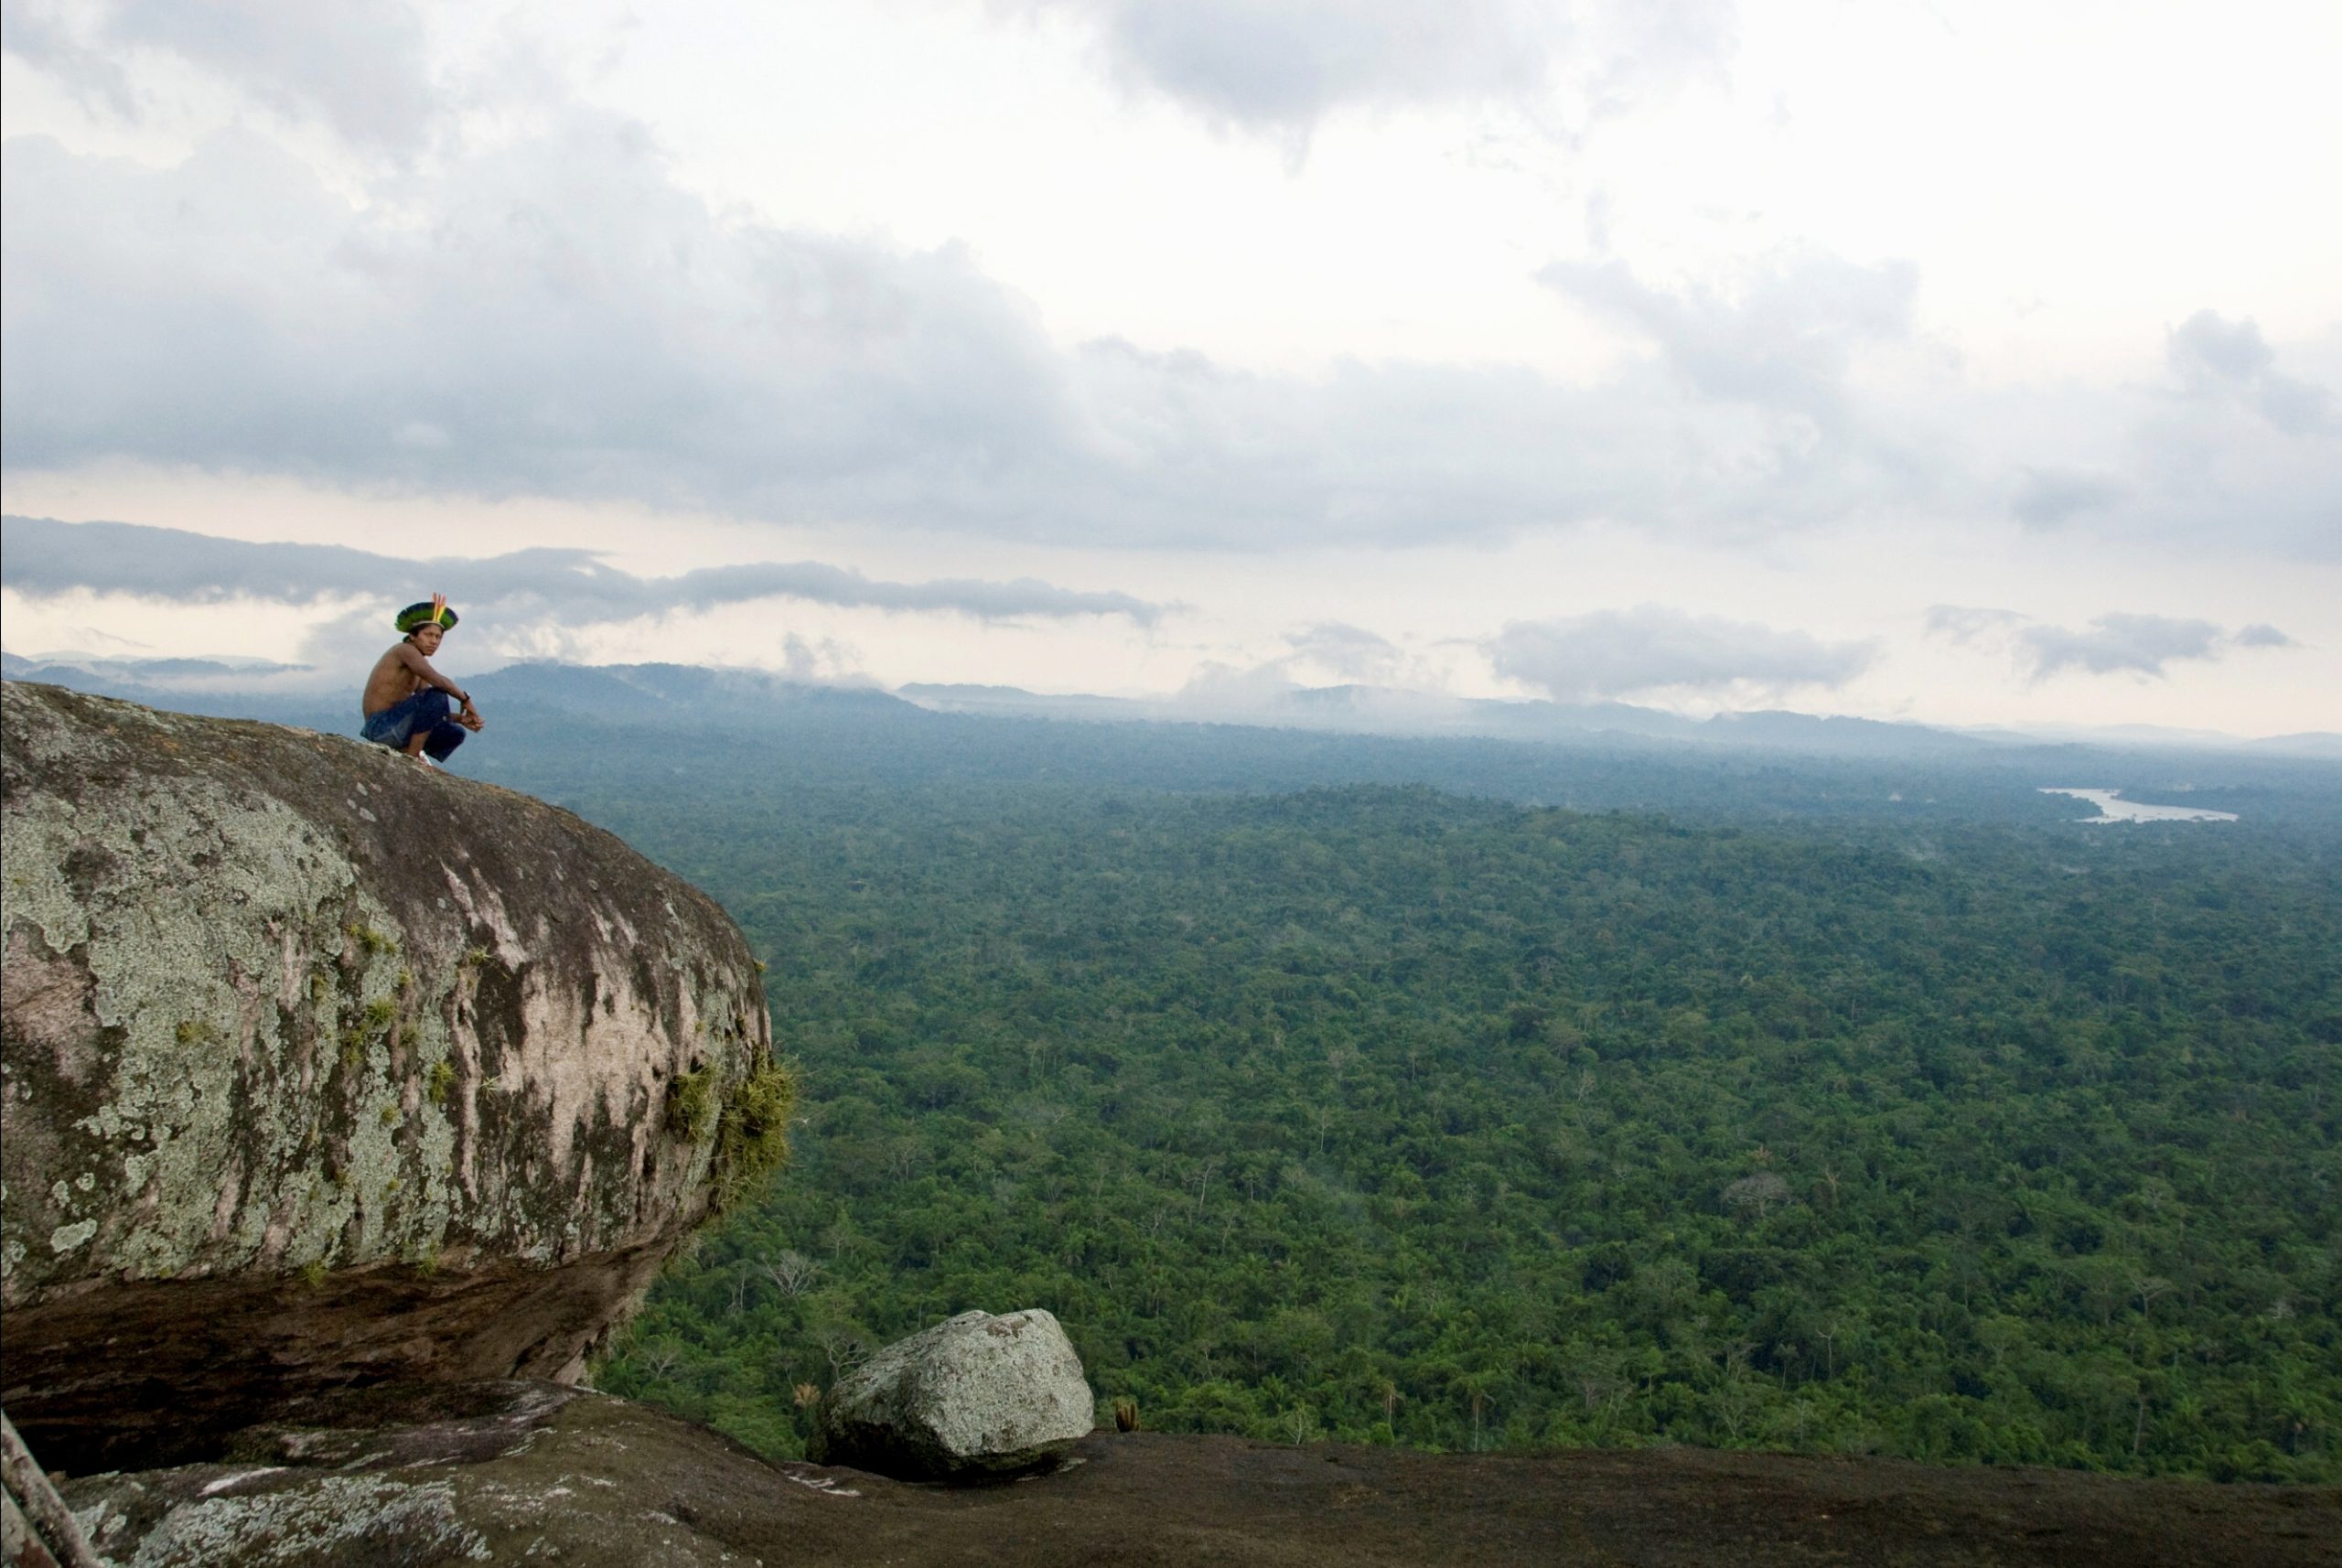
x=752 y=1135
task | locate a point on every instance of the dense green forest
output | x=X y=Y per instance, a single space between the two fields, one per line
x=1386 y=1114
x=1609 y=1092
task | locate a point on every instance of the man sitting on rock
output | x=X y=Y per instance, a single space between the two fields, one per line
x=405 y=703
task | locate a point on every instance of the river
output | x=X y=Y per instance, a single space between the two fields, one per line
x=2113 y=808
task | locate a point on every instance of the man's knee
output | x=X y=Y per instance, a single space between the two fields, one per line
x=444 y=740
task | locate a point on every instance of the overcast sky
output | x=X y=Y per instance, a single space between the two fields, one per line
x=1963 y=362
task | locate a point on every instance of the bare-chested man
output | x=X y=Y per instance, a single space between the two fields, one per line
x=406 y=704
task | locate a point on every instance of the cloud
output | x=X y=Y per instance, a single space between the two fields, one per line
x=2045 y=498
x=1971 y=624
x=2112 y=644
x=548 y=312
x=1331 y=675
x=1349 y=653
x=359 y=65
x=1285 y=62
x=2208 y=347
x=42 y=33
x=1283 y=65
x=1650 y=649
x=2214 y=356
x=45 y=558
x=2143 y=644
x=555 y=316
x=1771 y=368
x=2237 y=450
x=1328 y=651
x=1786 y=340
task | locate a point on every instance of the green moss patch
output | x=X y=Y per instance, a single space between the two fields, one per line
x=752 y=1136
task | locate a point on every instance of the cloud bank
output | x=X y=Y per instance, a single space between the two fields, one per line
x=542 y=309
x=1652 y=648
x=45 y=558
x=558 y=319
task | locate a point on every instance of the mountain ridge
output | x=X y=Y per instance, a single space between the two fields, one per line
x=661 y=692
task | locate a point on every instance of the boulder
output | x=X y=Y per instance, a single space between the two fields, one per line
x=972 y=1397
x=321 y=1069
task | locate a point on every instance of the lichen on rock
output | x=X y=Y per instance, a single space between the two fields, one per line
x=321 y=1068
x=327 y=1522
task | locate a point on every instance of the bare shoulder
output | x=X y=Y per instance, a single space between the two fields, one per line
x=391 y=679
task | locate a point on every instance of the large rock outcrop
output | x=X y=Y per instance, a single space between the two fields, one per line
x=323 y=1069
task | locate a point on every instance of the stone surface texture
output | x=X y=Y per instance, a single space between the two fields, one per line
x=529 y=1473
x=319 y=1067
x=973 y=1396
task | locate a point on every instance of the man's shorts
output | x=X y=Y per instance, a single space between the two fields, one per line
x=426 y=711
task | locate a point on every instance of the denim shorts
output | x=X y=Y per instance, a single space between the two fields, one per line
x=428 y=711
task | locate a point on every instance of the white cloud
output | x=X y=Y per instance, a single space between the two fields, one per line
x=1652 y=648
x=2045 y=497
x=2139 y=644
x=2215 y=356
x=2260 y=634
x=44 y=34
x=1283 y=65
x=1349 y=653
x=1786 y=339
x=1970 y=623
x=555 y=316
x=359 y=65
x=2224 y=454
x=2113 y=644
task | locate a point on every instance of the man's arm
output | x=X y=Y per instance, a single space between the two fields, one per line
x=420 y=667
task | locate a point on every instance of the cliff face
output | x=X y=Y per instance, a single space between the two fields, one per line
x=322 y=1069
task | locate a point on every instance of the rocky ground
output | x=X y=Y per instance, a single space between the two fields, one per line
x=533 y=1472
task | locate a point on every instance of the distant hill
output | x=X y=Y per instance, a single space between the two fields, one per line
x=729 y=698
x=551 y=724
x=666 y=694
x=2320 y=744
x=1389 y=710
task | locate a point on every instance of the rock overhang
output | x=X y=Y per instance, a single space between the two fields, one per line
x=322 y=1067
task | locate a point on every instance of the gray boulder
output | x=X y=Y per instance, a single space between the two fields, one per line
x=972 y=1397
